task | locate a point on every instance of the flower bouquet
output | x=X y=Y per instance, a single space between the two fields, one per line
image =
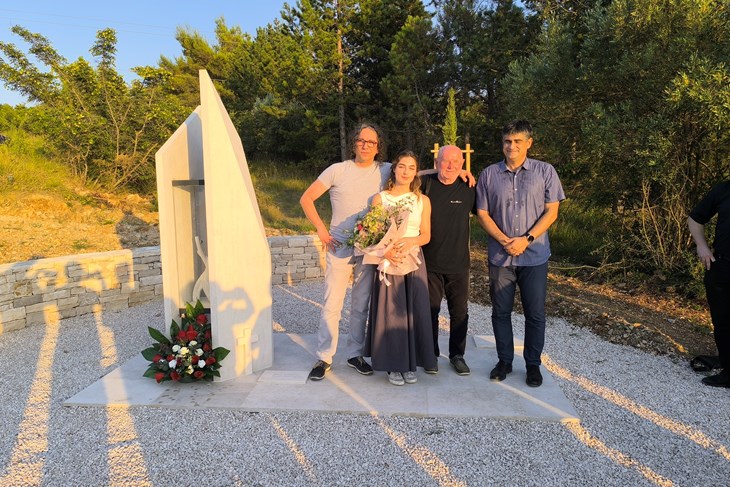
x=187 y=356
x=376 y=232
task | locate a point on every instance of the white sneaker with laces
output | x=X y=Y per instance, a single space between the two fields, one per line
x=396 y=378
x=410 y=377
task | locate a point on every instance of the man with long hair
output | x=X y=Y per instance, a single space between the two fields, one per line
x=351 y=185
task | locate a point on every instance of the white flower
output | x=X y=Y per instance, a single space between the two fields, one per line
x=193 y=343
x=172 y=364
x=189 y=370
x=199 y=352
x=201 y=364
x=184 y=351
x=175 y=348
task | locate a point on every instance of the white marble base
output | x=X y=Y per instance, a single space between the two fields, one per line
x=284 y=387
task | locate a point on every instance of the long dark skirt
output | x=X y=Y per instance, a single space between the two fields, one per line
x=399 y=329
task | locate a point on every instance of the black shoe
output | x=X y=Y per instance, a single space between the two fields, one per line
x=459 y=365
x=319 y=369
x=718 y=380
x=534 y=377
x=433 y=371
x=500 y=371
x=359 y=364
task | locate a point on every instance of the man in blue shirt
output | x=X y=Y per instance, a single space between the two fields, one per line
x=517 y=201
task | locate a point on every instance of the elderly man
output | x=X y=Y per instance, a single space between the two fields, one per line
x=351 y=185
x=717 y=271
x=517 y=201
x=447 y=254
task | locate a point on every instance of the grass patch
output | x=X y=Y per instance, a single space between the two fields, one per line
x=81 y=244
x=578 y=233
x=278 y=189
x=25 y=167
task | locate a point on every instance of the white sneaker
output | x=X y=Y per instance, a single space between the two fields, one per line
x=410 y=377
x=396 y=378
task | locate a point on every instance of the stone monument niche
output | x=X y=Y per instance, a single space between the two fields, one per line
x=212 y=238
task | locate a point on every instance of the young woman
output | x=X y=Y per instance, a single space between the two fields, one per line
x=399 y=329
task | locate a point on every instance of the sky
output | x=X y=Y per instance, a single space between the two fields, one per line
x=145 y=29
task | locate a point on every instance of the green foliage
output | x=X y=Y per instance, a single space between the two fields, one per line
x=295 y=65
x=106 y=130
x=220 y=60
x=413 y=91
x=375 y=25
x=479 y=41
x=449 y=128
x=630 y=101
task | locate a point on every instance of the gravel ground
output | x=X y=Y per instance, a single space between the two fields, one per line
x=645 y=420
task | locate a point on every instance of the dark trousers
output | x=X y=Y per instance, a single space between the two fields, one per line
x=717 y=287
x=455 y=287
x=532 y=281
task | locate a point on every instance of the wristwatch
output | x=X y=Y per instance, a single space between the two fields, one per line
x=530 y=238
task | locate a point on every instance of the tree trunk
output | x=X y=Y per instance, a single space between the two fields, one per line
x=341 y=88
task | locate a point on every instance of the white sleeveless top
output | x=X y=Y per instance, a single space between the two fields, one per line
x=413 y=228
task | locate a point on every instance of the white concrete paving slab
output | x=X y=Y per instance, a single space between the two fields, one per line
x=284 y=387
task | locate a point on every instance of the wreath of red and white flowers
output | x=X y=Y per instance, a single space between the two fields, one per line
x=188 y=355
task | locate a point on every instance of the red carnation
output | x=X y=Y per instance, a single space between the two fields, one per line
x=208 y=335
x=159 y=376
x=210 y=361
x=195 y=359
x=181 y=336
x=174 y=376
x=206 y=347
x=201 y=319
x=157 y=358
x=199 y=374
x=170 y=358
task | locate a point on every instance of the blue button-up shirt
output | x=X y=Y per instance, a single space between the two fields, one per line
x=515 y=201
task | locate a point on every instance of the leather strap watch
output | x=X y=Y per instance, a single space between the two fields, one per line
x=530 y=238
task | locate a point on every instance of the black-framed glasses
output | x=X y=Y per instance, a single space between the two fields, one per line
x=366 y=143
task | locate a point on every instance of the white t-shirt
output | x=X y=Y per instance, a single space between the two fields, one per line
x=351 y=189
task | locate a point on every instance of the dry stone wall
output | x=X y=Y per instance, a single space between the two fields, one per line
x=39 y=291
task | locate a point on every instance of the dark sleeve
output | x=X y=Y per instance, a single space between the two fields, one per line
x=707 y=207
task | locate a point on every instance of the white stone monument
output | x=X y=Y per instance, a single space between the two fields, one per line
x=212 y=237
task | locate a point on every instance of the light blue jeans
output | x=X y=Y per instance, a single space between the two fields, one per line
x=336 y=279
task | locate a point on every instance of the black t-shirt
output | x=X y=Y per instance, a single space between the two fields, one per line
x=717 y=201
x=448 y=250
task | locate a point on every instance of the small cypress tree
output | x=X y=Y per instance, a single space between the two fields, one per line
x=448 y=129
